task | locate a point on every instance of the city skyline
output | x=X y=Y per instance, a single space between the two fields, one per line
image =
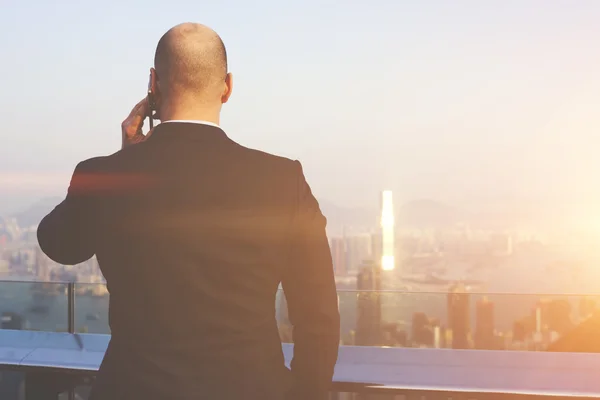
x=413 y=214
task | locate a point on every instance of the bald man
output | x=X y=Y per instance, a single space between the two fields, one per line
x=194 y=233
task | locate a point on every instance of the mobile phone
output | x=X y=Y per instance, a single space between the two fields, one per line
x=151 y=103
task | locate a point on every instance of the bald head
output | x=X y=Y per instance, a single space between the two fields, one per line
x=191 y=63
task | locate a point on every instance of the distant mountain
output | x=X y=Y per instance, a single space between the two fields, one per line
x=33 y=215
x=419 y=214
x=351 y=218
x=337 y=217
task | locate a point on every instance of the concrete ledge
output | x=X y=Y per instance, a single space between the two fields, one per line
x=363 y=369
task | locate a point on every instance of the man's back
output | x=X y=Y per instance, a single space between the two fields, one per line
x=194 y=233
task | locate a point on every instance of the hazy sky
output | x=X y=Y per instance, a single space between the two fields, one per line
x=459 y=101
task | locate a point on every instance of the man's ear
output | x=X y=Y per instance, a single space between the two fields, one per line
x=228 y=88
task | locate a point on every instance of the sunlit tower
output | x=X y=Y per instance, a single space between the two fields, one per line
x=459 y=316
x=388 y=262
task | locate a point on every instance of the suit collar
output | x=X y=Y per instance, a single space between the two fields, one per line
x=188 y=130
x=190 y=121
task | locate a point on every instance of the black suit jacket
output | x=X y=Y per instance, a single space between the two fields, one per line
x=194 y=233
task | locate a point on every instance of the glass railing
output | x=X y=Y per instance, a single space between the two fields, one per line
x=389 y=318
x=460 y=320
x=91 y=308
x=34 y=306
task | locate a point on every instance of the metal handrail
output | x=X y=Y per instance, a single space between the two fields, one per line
x=394 y=291
x=71 y=312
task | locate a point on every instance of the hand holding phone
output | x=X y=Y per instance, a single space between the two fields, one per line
x=131 y=128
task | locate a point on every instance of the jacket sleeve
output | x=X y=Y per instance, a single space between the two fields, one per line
x=309 y=287
x=67 y=234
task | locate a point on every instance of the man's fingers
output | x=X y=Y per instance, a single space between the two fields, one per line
x=140 y=108
x=135 y=120
x=132 y=126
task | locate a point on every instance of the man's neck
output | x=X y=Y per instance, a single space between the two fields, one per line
x=214 y=121
x=191 y=115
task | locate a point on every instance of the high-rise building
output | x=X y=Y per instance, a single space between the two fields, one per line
x=368 y=313
x=540 y=315
x=484 y=325
x=388 y=243
x=392 y=336
x=519 y=333
x=552 y=315
x=358 y=248
x=376 y=246
x=458 y=317
x=422 y=332
x=42 y=265
x=338 y=256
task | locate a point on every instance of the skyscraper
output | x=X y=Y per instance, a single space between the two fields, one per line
x=388 y=262
x=376 y=246
x=41 y=264
x=422 y=332
x=368 y=318
x=519 y=331
x=484 y=325
x=458 y=317
x=357 y=249
x=552 y=315
x=338 y=255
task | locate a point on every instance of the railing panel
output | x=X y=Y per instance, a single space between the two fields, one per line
x=413 y=324
x=385 y=318
x=34 y=305
x=91 y=308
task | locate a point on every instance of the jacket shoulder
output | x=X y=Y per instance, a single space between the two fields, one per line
x=112 y=161
x=272 y=162
x=94 y=164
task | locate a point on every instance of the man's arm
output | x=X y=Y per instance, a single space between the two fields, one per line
x=311 y=295
x=67 y=234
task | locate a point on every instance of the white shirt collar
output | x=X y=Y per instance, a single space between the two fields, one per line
x=192 y=122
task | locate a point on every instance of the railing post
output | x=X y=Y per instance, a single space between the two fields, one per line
x=71 y=310
x=71 y=306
